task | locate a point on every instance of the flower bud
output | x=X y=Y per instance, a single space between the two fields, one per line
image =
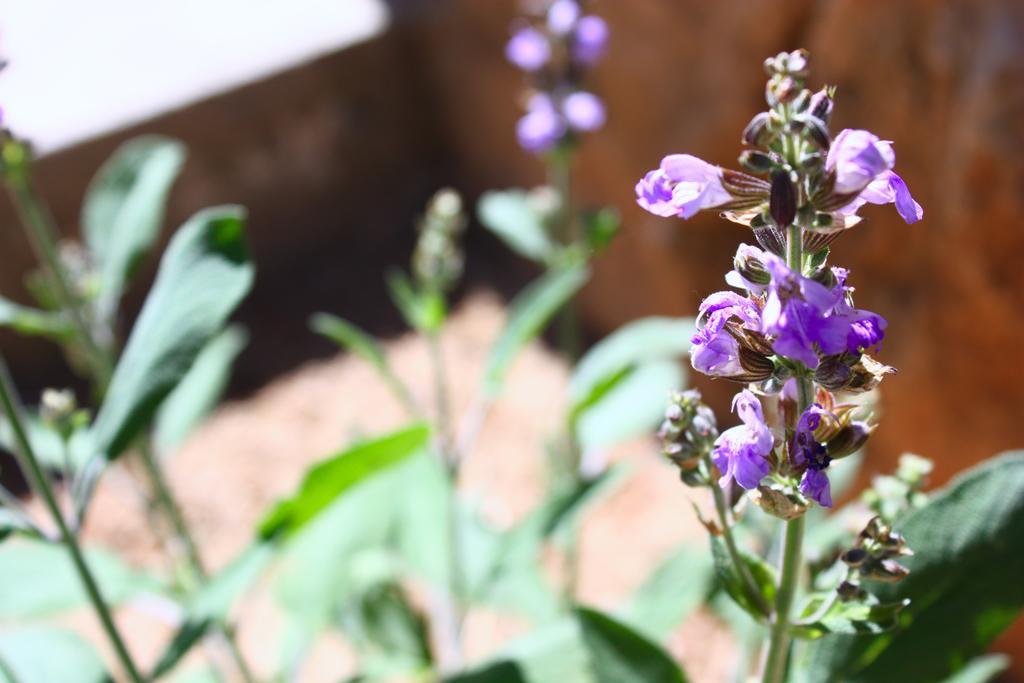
x=758 y=366
x=756 y=161
x=850 y=439
x=782 y=204
x=817 y=131
x=58 y=408
x=758 y=132
x=821 y=105
x=802 y=101
x=689 y=431
x=750 y=267
x=855 y=557
x=886 y=571
x=850 y=592
x=438 y=259
x=778 y=503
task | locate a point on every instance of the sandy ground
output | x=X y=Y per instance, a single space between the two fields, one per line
x=253 y=451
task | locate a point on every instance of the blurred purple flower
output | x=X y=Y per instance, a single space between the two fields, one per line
x=805 y=451
x=682 y=186
x=528 y=49
x=541 y=127
x=562 y=16
x=590 y=40
x=741 y=453
x=584 y=111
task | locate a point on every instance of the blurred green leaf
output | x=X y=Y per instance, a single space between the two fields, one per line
x=351 y=338
x=676 y=587
x=200 y=389
x=329 y=479
x=37 y=579
x=644 y=340
x=12 y=522
x=423 y=310
x=47 y=443
x=497 y=672
x=203 y=276
x=124 y=207
x=981 y=669
x=510 y=215
x=601 y=227
x=213 y=602
x=33 y=322
x=761 y=572
x=618 y=654
x=964 y=584
x=632 y=405
x=389 y=634
x=528 y=315
x=43 y=654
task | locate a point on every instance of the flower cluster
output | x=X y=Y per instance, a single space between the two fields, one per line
x=791 y=331
x=556 y=51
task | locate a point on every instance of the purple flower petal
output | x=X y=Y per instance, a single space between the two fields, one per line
x=562 y=16
x=741 y=453
x=528 y=49
x=858 y=157
x=542 y=127
x=590 y=40
x=584 y=111
x=815 y=485
x=654 y=194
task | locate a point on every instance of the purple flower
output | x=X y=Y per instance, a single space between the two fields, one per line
x=528 y=49
x=887 y=188
x=562 y=16
x=863 y=166
x=682 y=186
x=584 y=111
x=858 y=157
x=715 y=352
x=590 y=40
x=542 y=126
x=799 y=315
x=805 y=451
x=741 y=453
x=866 y=329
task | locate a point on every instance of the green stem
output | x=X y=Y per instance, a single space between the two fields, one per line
x=42 y=234
x=32 y=467
x=566 y=231
x=779 y=640
x=734 y=554
x=163 y=495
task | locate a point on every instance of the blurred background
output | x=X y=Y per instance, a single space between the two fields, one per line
x=334 y=121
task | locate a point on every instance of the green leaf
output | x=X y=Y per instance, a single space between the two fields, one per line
x=32 y=322
x=388 y=632
x=423 y=310
x=497 y=672
x=618 y=654
x=633 y=405
x=203 y=276
x=647 y=339
x=213 y=603
x=351 y=338
x=760 y=571
x=529 y=313
x=852 y=618
x=981 y=669
x=37 y=579
x=601 y=227
x=964 y=584
x=200 y=389
x=510 y=215
x=676 y=587
x=331 y=478
x=124 y=207
x=43 y=654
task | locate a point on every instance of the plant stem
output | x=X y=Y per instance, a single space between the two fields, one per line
x=566 y=229
x=730 y=544
x=442 y=403
x=42 y=234
x=35 y=471
x=779 y=641
x=778 y=644
x=162 y=494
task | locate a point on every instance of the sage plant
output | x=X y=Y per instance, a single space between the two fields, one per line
x=788 y=333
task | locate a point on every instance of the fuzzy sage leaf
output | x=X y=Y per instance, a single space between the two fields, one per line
x=203 y=276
